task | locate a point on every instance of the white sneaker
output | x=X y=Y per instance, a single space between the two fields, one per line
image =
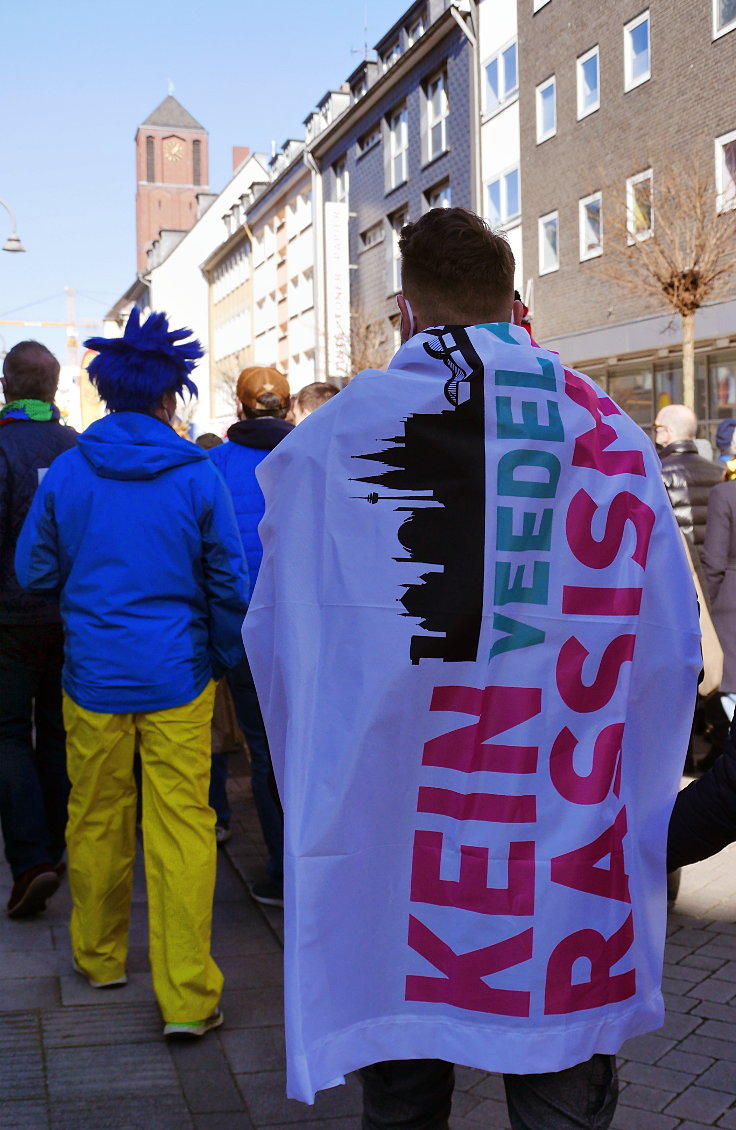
x=117 y=983
x=194 y=1028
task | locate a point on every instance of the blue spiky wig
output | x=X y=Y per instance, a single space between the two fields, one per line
x=131 y=373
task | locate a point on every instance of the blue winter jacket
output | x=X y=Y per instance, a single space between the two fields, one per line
x=249 y=443
x=134 y=528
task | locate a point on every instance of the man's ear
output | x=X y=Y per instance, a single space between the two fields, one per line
x=407 y=318
x=517 y=312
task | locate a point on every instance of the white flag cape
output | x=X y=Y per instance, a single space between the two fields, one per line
x=476 y=646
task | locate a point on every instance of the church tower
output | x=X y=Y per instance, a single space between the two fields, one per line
x=172 y=168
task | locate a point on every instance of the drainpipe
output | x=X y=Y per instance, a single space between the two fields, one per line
x=320 y=369
x=476 y=172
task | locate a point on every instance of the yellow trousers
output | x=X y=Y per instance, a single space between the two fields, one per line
x=180 y=850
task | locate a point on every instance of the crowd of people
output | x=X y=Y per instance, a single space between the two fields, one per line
x=413 y=563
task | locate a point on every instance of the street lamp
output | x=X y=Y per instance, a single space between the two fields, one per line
x=12 y=243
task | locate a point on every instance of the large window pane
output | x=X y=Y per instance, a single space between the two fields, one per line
x=510 y=81
x=726 y=12
x=632 y=391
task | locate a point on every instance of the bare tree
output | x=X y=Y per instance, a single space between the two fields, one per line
x=369 y=343
x=226 y=379
x=671 y=241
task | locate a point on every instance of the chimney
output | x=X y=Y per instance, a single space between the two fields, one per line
x=241 y=153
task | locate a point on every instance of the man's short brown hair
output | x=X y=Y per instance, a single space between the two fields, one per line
x=457 y=268
x=31 y=372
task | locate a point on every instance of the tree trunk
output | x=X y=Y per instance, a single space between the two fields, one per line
x=688 y=360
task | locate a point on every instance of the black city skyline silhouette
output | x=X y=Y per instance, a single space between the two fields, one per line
x=443 y=455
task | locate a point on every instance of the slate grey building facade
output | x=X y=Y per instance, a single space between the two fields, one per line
x=405 y=144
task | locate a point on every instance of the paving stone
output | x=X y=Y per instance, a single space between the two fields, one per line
x=712 y=1010
x=644 y=1098
x=340 y=1123
x=727 y=971
x=713 y=989
x=716 y=1029
x=258 y=971
x=21 y=994
x=647 y=1049
x=702 y=1045
x=167 y=1112
x=265 y=1098
x=256 y=1049
x=654 y=1075
x=253 y=1008
x=490 y=1086
x=690 y=937
x=210 y=1090
x=107 y=1024
x=700 y=1102
x=674 y=1000
x=110 y=1070
x=677 y=1025
x=197 y=1055
x=683 y=973
x=685 y=1061
x=233 y=1120
x=699 y=961
x=488 y=1115
x=728 y=1119
x=720 y=1077
x=629 y=1118
x=19 y=1032
x=24 y=1115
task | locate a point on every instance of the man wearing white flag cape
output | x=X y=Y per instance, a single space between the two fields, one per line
x=476 y=645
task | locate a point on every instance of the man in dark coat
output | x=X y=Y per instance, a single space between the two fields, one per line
x=687 y=476
x=33 y=782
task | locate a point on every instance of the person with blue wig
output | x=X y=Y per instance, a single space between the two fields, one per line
x=134 y=530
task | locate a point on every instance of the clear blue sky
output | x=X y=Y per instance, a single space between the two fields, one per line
x=77 y=79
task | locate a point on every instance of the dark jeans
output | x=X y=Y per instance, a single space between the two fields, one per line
x=218 y=788
x=416 y=1094
x=250 y=720
x=33 y=783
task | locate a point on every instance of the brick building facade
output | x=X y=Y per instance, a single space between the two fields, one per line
x=632 y=89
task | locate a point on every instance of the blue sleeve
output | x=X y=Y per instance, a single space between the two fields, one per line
x=226 y=579
x=37 y=554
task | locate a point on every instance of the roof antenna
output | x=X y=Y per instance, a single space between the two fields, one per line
x=170 y=83
x=356 y=50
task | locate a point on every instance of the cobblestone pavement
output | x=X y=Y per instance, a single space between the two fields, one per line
x=72 y=1058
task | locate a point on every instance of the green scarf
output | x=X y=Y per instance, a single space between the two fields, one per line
x=28 y=410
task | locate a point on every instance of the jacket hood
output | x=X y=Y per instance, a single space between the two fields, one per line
x=132 y=445
x=263 y=434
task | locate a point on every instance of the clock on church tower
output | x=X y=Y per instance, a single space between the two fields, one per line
x=172 y=169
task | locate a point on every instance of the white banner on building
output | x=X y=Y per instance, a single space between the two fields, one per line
x=337 y=277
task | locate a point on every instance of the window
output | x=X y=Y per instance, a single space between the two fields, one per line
x=359 y=89
x=591 y=232
x=437 y=109
x=589 y=89
x=415 y=31
x=639 y=205
x=369 y=139
x=546 y=109
x=503 y=198
x=726 y=171
x=537 y=4
x=390 y=55
x=150 y=161
x=398 y=147
x=502 y=80
x=340 y=172
x=371 y=236
x=549 y=243
x=637 y=62
x=439 y=196
x=196 y=162
x=724 y=17
x=397 y=221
